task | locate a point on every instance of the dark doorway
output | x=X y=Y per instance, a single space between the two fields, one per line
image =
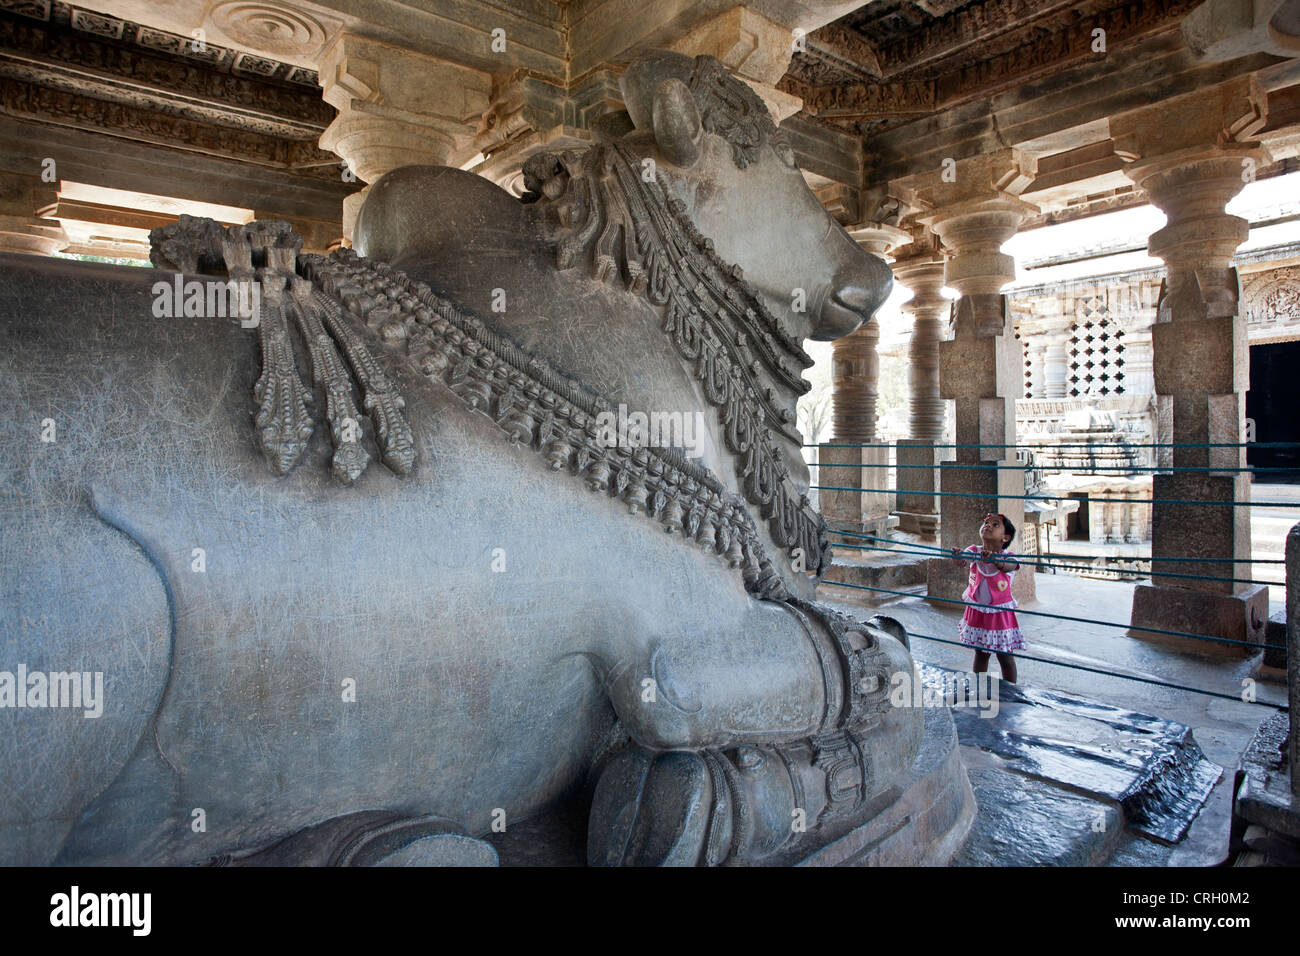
x=1273 y=403
x=1076 y=524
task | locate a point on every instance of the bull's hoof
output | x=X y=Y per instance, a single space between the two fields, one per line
x=650 y=810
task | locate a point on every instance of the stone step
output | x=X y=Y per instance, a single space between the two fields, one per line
x=881 y=569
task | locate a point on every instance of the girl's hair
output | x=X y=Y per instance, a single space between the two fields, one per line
x=1009 y=528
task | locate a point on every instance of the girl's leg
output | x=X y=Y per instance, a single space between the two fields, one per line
x=981 y=662
x=1008 y=664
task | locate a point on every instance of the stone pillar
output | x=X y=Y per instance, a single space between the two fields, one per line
x=981 y=370
x=396 y=108
x=918 y=457
x=855 y=370
x=1054 y=364
x=923 y=274
x=1200 y=363
x=23 y=228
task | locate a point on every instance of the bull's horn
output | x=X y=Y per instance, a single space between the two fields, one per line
x=676 y=119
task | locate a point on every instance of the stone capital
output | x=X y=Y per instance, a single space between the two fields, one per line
x=924 y=275
x=956 y=183
x=754 y=48
x=974 y=231
x=1231 y=112
x=879 y=238
x=397 y=107
x=1193 y=186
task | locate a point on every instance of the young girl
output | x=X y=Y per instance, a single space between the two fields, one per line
x=992 y=626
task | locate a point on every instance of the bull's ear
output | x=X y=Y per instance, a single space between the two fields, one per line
x=676 y=119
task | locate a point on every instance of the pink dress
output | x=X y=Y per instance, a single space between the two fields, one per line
x=993 y=625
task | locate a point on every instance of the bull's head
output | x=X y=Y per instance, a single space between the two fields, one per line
x=716 y=148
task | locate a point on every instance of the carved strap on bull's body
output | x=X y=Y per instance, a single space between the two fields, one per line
x=343 y=306
x=537 y=408
x=265 y=253
x=603 y=211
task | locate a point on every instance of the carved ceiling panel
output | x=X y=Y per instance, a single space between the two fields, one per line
x=67 y=66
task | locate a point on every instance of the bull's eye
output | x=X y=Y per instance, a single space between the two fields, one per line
x=785 y=152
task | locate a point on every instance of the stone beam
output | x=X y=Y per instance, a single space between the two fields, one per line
x=824 y=155
x=603 y=31
x=105 y=160
x=1062 y=111
x=26 y=200
x=533 y=33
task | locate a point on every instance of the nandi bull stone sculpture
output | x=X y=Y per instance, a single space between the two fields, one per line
x=370 y=576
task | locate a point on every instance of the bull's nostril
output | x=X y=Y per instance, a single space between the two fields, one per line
x=863 y=300
x=855 y=298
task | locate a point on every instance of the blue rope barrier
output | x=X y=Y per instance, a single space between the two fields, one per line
x=1088 y=498
x=1088 y=470
x=901 y=545
x=1120 y=445
x=1096 y=670
x=1059 y=617
x=1136 y=557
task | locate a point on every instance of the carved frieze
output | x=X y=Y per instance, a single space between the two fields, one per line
x=46 y=105
x=1272 y=303
x=863 y=100
x=177 y=76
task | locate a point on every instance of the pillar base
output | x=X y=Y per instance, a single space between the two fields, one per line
x=851 y=467
x=1238 y=617
x=918 y=480
x=923 y=523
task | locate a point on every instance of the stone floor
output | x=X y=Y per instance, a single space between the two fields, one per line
x=1222 y=728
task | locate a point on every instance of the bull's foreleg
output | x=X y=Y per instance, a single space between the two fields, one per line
x=741 y=745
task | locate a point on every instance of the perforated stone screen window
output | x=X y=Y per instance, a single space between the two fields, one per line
x=1095 y=357
x=1028 y=366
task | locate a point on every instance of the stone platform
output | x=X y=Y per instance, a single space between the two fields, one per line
x=878 y=569
x=1264 y=794
x=1060 y=778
